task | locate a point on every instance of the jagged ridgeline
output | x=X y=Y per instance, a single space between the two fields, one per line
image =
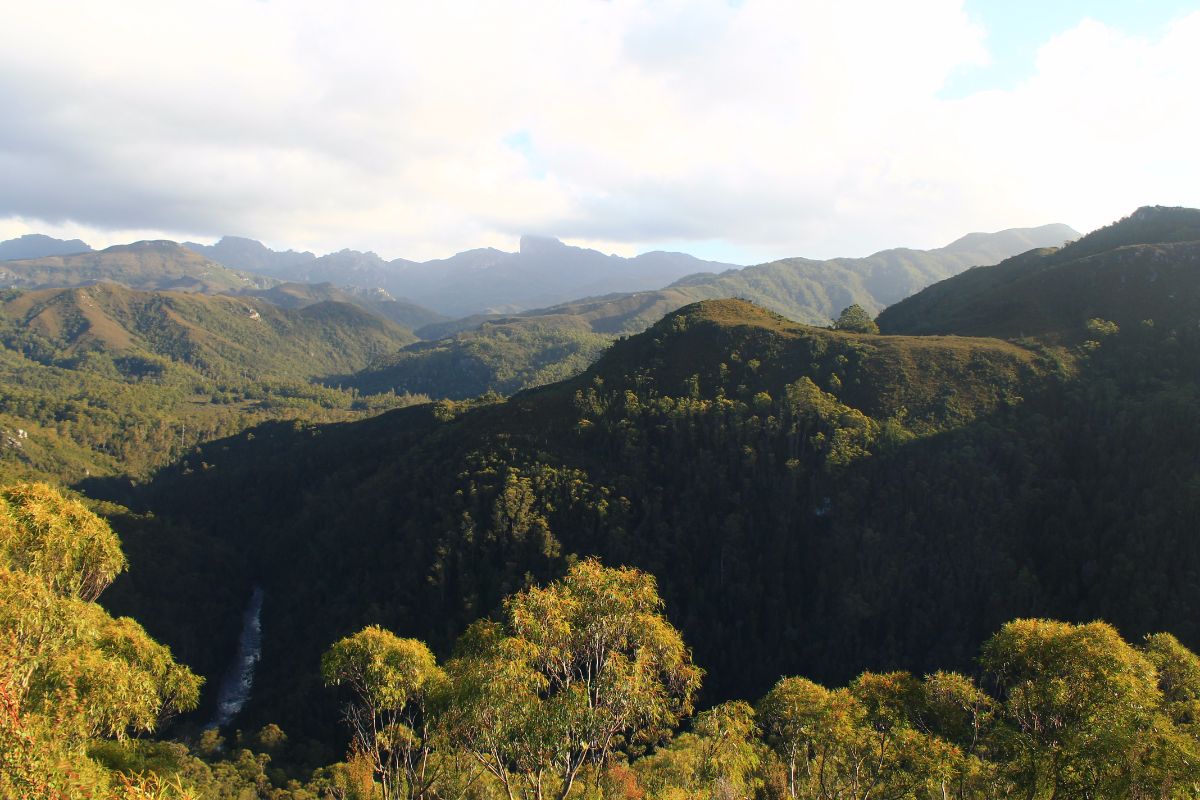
x=813 y=502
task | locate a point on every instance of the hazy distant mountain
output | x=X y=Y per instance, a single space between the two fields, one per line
x=157 y=265
x=816 y=291
x=544 y=272
x=35 y=245
x=237 y=252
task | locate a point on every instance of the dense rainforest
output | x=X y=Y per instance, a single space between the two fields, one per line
x=811 y=501
x=1018 y=443
x=575 y=689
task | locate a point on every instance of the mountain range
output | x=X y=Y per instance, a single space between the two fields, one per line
x=543 y=272
x=505 y=353
x=106 y=380
x=150 y=265
x=812 y=501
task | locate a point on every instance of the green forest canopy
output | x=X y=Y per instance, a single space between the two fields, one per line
x=577 y=691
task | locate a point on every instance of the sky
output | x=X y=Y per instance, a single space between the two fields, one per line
x=738 y=130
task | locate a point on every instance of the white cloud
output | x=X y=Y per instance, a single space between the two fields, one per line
x=781 y=128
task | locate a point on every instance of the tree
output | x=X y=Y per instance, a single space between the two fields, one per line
x=393 y=680
x=730 y=751
x=792 y=716
x=719 y=759
x=58 y=540
x=1084 y=710
x=854 y=318
x=69 y=672
x=577 y=669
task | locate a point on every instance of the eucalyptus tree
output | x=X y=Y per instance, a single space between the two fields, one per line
x=69 y=672
x=576 y=670
x=1086 y=714
x=396 y=683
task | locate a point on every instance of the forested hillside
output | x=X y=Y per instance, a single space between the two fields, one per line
x=714 y=448
x=502 y=356
x=107 y=380
x=815 y=291
x=577 y=688
x=1141 y=268
x=300 y=295
x=812 y=501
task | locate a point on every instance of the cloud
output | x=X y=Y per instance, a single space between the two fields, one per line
x=778 y=128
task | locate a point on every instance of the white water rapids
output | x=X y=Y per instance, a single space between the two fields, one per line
x=239 y=679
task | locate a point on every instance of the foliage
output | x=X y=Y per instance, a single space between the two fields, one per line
x=392 y=679
x=579 y=669
x=854 y=318
x=104 y=380
x=582 y=678
x=58 y=540
x=70 y=674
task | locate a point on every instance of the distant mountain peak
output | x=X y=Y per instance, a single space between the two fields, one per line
x=144 y=246
x=38 y=245
x=531 y=244
x=1051 y=235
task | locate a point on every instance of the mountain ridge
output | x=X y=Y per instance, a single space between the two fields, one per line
x=1110 y=274
x=505 y=353
x=37 y=245
x=146 y=265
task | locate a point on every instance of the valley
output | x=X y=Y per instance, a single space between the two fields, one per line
x=1017 y=443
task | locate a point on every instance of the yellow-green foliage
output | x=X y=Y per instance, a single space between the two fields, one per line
x=577 y=668
x=58 y=540
x=69 y=672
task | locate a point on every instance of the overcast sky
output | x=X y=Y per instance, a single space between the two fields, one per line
x=742 y=131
